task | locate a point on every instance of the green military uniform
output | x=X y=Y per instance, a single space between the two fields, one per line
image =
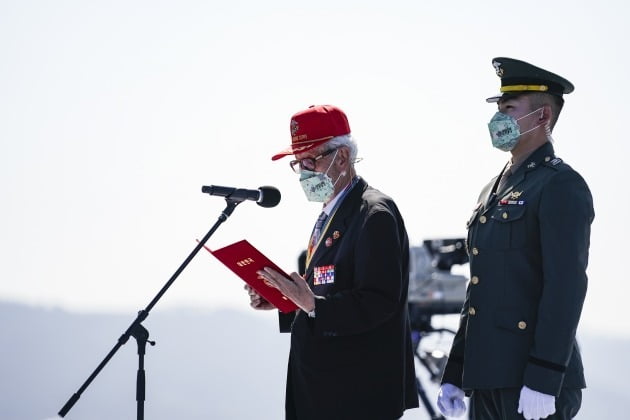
x=528 y=250
x=528 y=245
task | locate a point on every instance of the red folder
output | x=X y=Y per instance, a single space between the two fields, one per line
x=245 y=260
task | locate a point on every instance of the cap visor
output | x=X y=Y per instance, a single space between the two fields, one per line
x=494 y=99
x=300 y=148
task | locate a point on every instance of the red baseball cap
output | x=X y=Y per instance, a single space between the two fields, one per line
x=314 y=126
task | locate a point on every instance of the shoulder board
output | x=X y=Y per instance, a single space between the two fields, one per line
x=553 y=163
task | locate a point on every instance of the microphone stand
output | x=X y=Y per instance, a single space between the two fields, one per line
x=139 y=332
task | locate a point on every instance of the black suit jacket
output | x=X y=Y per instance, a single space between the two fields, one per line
x=528 y=248
x=355 y=358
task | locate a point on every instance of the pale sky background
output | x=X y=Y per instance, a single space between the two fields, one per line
x=113 y=114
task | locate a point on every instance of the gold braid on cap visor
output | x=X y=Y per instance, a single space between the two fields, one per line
x=522 y=88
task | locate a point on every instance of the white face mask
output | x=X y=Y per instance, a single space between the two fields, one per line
x=505 y=131
x=318 y=186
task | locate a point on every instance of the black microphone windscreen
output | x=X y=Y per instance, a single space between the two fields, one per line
x=270 y=196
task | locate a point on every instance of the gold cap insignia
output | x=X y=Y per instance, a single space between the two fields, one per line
x=497 y=68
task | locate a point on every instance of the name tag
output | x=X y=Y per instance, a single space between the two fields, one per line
x=324 y=275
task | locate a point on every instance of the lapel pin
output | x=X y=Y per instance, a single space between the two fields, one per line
x=336 y=234
x=328 y=241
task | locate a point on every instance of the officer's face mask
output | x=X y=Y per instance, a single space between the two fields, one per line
x=505 y=131
x=318 y=186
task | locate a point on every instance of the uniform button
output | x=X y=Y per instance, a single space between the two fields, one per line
x=475 y=251
x=504 y=215
x=522 y=325
x=474 y=280
x=471 y=311
x=547 y=158
x=482 y=219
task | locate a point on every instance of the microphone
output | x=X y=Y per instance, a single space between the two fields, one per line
x=264 y=196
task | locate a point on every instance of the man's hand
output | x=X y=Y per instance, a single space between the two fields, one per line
x=256 y=301
x=535 y=405
x=451 y=401
x=295 y=288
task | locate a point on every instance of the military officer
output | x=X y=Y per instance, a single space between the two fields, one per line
x=515 y=352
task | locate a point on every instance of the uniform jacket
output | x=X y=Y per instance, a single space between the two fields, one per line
x=528 y=248
x=354 y=360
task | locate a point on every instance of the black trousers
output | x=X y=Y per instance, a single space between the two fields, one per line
x=502 y=404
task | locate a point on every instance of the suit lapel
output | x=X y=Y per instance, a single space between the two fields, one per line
x=489 y=193
x=338 y=225
x=491 y=189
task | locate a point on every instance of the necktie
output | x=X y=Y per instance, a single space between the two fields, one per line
x=317 y=231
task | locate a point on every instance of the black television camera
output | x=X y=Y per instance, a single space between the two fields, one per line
x=433 y=289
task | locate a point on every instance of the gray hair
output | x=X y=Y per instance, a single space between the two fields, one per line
x=346 y=140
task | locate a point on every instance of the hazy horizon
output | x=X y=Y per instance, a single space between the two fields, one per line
x=219 y=364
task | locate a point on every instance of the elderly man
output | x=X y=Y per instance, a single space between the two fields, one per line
x=528 y=239
x=351 y=355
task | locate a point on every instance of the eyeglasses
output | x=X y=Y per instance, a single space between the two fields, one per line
x=308 y=163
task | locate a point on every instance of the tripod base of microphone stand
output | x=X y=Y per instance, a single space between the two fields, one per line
x=141 y=335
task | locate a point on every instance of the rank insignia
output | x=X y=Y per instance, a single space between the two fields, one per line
x=328 y=241
x=324 y=275
x=556 y=161
x=336 y=234
x=531 y=165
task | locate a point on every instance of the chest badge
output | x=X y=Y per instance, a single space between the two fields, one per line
x=512 y=199
x=324 y=275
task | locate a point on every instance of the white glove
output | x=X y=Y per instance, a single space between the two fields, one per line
x=451 y=401
x=535 y=405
